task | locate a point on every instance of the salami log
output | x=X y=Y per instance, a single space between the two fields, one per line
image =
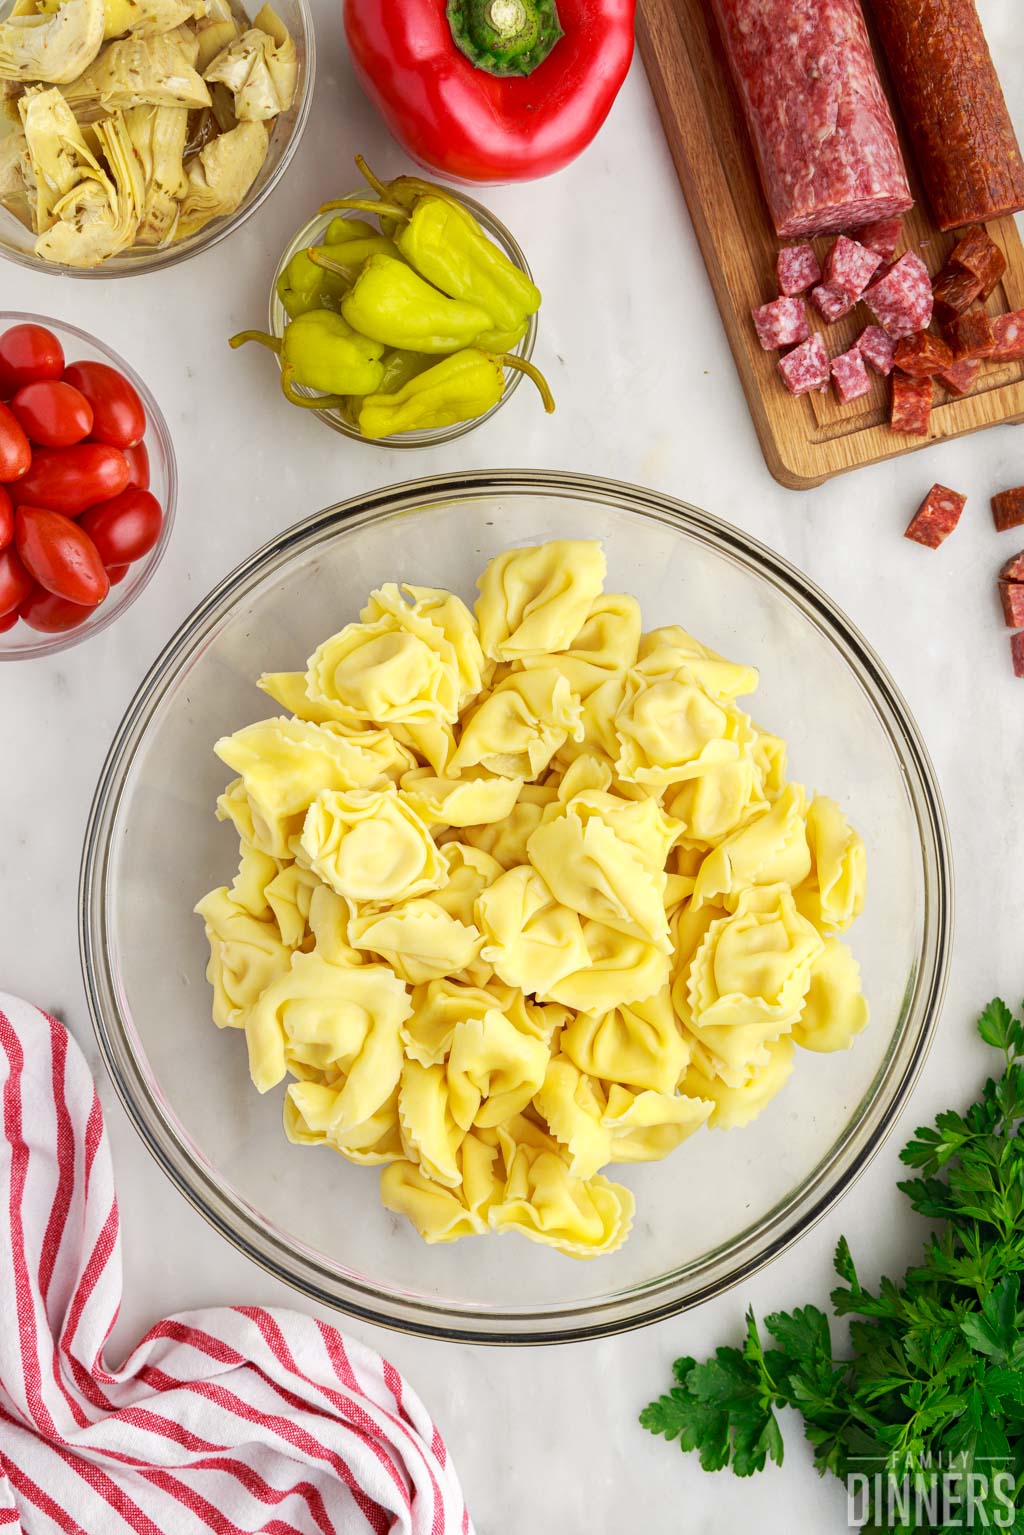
x=821 y=127
x=963 y=139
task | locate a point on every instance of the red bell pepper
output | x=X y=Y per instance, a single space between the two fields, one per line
x=492 y=90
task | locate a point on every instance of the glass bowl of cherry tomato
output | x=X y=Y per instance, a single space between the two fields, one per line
x=88 y=484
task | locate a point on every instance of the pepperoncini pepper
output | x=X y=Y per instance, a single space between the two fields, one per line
x=303 y=285
x=394 y=305
x=320 y=350
x=458 y=388
x=458 y=258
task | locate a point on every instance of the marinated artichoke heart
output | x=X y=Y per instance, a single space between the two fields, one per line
x=259 y=68
x=221 y=175
x=158 y=138
x=99 y=215
x=161 y=122
x=142 y=18
x=52 y=48
x=138 y=72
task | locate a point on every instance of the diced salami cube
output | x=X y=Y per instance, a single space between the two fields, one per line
x=1008 y=509
x=1012 y=596
x=901 y=301
x=1008 y=335
x=831 y=304
x=1017 y=652
x=850 y=376
x=1013 y=570
x=883 y=237
x=797 y=269
x=937 y=516
x=781 y=323
x=878 y=349
x=911 y=404
x=923 y=355
x=971 y=335
x=979 y=254
x=805 y=367
x=954 y=291
x=850 y=266
x=960 y=377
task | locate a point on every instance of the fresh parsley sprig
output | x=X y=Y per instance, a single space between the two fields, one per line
x=935 y=1374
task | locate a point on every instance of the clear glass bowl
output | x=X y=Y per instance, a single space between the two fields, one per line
x=17 y=242
x=21 y=642
x=311 y=234
x=722 y=1205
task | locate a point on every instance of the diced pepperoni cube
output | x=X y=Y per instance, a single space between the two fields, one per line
x=954 y=291
x=979 y=254
x=901 y=301
x=971 y=335
x=797 y=269
x=878 y=349
x=1017 y=652
x=923 y=355
x=850 y=376
x=1013 y=570
x=1012 y=596
x=937 y=516
x=911 y=404
x=850 y=266
x=805 y=367
x=831 y=304
x=883 y=237
x=1008 y=336
x=960 y=377
x=1008 y=509
x=781 y=323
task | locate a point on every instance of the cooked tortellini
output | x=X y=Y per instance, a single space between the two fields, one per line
x=522 y=892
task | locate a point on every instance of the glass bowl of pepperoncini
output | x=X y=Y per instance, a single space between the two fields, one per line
x=447 y=294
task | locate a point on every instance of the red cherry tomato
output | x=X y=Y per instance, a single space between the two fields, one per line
x=15 y=452
x=124 y=528
x=60 y=556
x=52 y=414
x=138 y=466
x=117 y=574
x=51 y=614
x=118 y=415
x=6 y=518
x=15 y=581
x=28 y=353
x=70 y=479
x=9 y=620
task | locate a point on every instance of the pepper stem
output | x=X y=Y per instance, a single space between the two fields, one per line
x=378 y=186
x=366 y=205
x=270 y=342
x=504 y=37
x=317 y=402
x=520 y=365
x=319 y=257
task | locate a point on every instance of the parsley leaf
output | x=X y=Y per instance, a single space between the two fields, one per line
x=934 y=1375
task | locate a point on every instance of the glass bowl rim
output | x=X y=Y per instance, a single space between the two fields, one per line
x=51 y=644
x=652 y=1300
x=164 y=257
x=429 y=437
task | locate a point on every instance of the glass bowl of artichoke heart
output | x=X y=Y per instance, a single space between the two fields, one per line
x=134 y=133
x=403 y=314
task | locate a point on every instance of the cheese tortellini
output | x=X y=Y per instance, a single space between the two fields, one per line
x=523 y=893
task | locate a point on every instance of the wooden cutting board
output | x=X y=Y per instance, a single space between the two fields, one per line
x=808 y=439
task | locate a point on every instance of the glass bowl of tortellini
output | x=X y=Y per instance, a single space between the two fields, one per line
x=136 y=133
x=507 y=870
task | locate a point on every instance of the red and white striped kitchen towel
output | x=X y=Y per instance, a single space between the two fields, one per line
x=235 y=1420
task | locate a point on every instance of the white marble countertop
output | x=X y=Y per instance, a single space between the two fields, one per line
x=546 y=1440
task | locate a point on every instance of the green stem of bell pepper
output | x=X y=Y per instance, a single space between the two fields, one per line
x=504 y=37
